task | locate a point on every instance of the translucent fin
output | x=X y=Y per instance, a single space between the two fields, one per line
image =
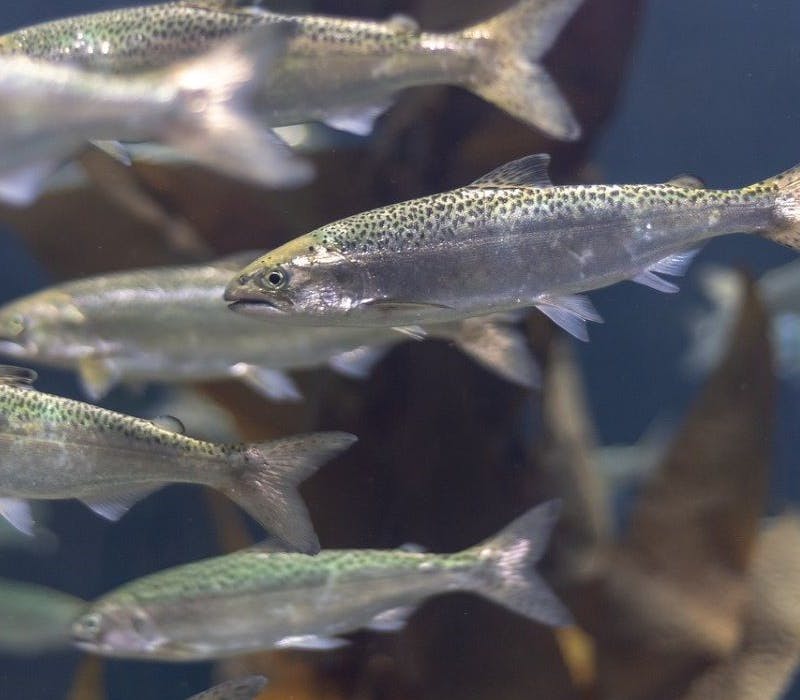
x=311 y=642
x=512 y=78
x=530 y=171
x=112 y=505
x=358 y=363
x=263 y=480
x=222 y=133
x=171 y=423
x=510 y=556
x=20 y=377
x=413 y=332
x=22 y=186
x=97 y=377
x=403 y=23
x=392 y=620
x=652 y=280
x=239 y=689
x=570 y=313
x=359 y=121
x=499 y=347
x=115 y=150
x=19 y=515
x=272 y=383
x=689 y=182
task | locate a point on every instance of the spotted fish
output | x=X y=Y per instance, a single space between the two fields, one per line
x=257 y=599
x=509 y=240
x=341 y=71
x=52 y=448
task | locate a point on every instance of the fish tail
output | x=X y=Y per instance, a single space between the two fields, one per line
x=498 y=345
x=217 y=125
x=786 y=227
x=512 y=77
x=265 y=477
x=509 y=577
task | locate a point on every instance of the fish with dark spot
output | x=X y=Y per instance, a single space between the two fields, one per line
x=338 y=70
x=53 y=448
x=509 y=240
x=259 y=599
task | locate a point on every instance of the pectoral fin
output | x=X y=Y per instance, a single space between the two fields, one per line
x=358 y=120
x=358 y=363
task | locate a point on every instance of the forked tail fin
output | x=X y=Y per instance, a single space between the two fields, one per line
x=509 y=577
x=218 y=126
x=264 y=479
x=512 y=76
x=786 y=230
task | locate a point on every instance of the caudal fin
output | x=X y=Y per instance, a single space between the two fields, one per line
x=786 y=230
x=509 y=577
x=512 y=76
x=265 y=479
x=218 y=126
x=498 y=345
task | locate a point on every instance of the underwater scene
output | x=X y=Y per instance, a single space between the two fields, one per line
x=399 y=350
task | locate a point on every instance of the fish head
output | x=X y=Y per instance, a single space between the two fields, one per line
x=304 y=277
x=117 y=630
x=39 y=326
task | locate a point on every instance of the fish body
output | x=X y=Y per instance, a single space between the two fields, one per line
x=509 y=240
x=206 y=609
x=53 y=447
x=138 y=326
x=340 y=70
x=49 y=112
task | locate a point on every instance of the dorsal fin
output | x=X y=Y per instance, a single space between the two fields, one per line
x=530 y=171
x=689 y=182
x=224 y=4
x=21 y=377
x=403 y=23
x=171 y=423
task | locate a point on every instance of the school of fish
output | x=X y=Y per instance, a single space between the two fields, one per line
x=212 y=80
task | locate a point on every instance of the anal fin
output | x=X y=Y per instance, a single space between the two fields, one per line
x=391 y=620
x=112 y=505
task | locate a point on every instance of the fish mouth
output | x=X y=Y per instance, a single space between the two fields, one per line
x=256 y=308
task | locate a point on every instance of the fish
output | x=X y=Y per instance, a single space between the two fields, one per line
x=509 y=240
x=238 y=689
x=258 y=599
x=710 y=327
x=54 y=448
x=137 y=327
x=201 y=107
x=35 y=619
x=344 y=72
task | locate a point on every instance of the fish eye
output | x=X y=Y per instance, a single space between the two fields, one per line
x=274 y=279
x=140 y=622
x=89 y=626
x=16 y=324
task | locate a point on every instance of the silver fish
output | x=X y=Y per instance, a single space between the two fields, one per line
x=257 y=599
x=509 y=240
x=49 y=112
x=341 y=71
x=52 y=448
x=138 y=326
x=239 y=689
